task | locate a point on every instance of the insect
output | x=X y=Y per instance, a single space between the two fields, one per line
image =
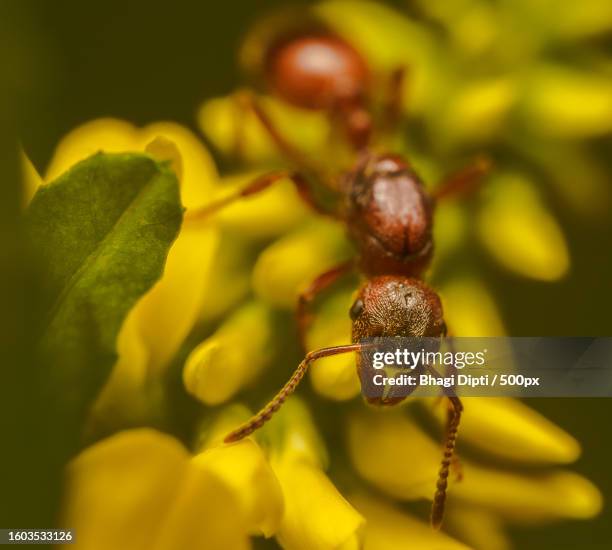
x=384 y=204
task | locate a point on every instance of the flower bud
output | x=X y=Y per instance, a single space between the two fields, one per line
x=289 y=265
x=233 y=356
x=519 y=231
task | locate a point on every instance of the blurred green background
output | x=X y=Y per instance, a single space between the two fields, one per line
x=64 y=63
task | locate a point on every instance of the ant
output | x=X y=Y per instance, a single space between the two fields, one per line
x=388 y=213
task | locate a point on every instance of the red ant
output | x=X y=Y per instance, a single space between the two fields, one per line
x=387 y=211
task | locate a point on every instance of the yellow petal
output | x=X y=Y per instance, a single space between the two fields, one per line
x=333 y=377
x=527 y=498
x=474 y=29
x=233 y=356
x=336 y=377
x=199 y=175
x=317 y=516
x=568 y=103
x=469 y=309
x=104 y=134
x=477 y=527
x=520 y=233
x=166 y=150
x=290 y=264
x=229 y=283
x=293 y=436
x=235 y=130
x=169 y=310
x=243 y=468
x=592 y=196
x=450 y=229
x=578 y=20
x=137 y=490
x=205 y=514
x=390 y=451
x=268 y=214
x=31 y=179
x=162 y=318
x=122 y=400
x=509 y=429
x=388 y=528
x=212 y=432
x=479 y=110
x=166 y=314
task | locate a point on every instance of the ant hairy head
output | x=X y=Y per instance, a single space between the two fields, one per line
x=392 y=306
x=396 y=306
x=316 y=70
x=389 y=215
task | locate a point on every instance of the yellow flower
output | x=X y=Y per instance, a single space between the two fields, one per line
x=141 y=490
x=159 y=323
x=317 y=516
x=379 y=441
x=509 y=429
x=233 y=356
x=288 y=265
x=389 y=528
x=31 y=178
x=244 y=469
x=520 y=233
x=303 y=509
x=393 y=453
x=333 y=377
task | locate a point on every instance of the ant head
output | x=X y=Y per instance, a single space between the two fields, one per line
x=396 y=306
x=315 y=70
x=389 y=216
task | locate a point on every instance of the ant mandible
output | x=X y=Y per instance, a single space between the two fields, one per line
x=384 y=204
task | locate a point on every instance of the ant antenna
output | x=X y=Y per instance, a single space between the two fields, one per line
x=437 y=507
x=266 y=413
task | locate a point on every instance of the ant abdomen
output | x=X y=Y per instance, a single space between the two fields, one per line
x=316 y=71
x=389 y=216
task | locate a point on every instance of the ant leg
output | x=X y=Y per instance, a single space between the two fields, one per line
x=455 y=465
x=321 y=283
x=463 y=181
x=248 y=102
x=266 y=413
x=392 y=109
x=439 y=501
x=257 y=185
x=304 y=165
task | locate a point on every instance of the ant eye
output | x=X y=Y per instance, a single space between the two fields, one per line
x=356 y=309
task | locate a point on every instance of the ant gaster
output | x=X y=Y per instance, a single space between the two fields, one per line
x=384 y=204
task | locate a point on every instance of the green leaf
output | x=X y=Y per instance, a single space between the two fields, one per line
x=102 y=231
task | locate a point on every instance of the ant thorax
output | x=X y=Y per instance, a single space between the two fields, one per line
x=389 y=216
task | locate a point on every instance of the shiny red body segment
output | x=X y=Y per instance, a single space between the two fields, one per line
x=316 y=71
x=389 y=216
